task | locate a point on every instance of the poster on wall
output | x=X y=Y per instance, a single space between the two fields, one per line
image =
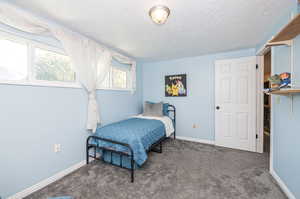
x=175 y=85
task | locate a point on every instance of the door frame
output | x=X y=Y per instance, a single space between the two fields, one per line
x=260 y=103
x=258 y=98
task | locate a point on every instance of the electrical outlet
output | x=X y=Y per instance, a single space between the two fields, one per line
x=57 y=148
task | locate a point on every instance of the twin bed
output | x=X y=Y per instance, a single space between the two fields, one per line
x=127 y=143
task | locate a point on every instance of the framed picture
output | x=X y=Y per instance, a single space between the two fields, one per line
x=175 y=85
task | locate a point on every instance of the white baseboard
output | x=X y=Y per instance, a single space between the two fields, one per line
x=203 y=141
x=47 y=181
x=282 y=185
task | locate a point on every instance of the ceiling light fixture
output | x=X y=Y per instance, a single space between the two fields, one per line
x=159 y=14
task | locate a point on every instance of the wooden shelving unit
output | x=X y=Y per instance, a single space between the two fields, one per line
x=285 y=37
x=289 y=32
x=286 y=92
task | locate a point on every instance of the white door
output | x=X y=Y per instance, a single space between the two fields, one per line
x=235 y=103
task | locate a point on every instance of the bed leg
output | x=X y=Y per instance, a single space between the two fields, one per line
x=132 y=169
x=87 y=149
x=87 y=154
x=160 y=147
x=95 y=153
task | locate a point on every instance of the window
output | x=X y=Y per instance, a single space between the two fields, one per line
x=13 y=62
x=27 y=62
x=116 y=79
x=119 y=78
x=51 y=66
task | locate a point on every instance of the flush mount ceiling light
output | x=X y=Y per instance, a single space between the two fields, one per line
x=159 y=14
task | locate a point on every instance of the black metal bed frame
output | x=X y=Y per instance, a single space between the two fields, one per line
x=130 y=155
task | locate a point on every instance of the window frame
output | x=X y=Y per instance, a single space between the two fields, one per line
x=111 y=87
x=127 y=71
x=31 y=81
x=45 y=82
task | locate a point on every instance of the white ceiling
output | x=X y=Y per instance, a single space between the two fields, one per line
x=194 y=27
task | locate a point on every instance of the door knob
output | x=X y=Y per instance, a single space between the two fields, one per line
x=217 y=107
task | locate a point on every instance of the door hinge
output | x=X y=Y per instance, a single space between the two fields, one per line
x=256 y=136
x=256 y=66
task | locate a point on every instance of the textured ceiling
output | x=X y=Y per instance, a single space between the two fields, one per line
x=194 y=27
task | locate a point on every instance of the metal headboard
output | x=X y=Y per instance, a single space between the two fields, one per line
x=172 y=115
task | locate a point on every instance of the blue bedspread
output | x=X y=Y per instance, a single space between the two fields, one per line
x=139 y=133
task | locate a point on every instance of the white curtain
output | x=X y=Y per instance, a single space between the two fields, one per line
x=91 y=61
x=21 y=20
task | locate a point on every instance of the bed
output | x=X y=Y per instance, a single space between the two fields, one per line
x=127 y=143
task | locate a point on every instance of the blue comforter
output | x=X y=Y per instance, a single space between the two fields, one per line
x=139 y=133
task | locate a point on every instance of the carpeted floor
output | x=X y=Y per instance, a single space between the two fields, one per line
x=184 y=170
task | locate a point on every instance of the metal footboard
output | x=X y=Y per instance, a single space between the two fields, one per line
x=152 y=148
x=172 y=109
x=155 y=147
x=111 y=150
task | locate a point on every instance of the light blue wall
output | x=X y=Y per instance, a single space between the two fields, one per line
x=198 y=107
x=286 y=137
x=33 y=119
x=286 y=129
x=285 y=18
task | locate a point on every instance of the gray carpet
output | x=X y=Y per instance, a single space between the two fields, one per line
x=184 y=170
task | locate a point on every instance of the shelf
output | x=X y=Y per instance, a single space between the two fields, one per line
x=289 y=32
x=280 y=43
x=285 y=92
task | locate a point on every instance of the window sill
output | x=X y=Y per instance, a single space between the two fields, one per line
x=115 y=89
x=56 y=85
x=42 y=84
